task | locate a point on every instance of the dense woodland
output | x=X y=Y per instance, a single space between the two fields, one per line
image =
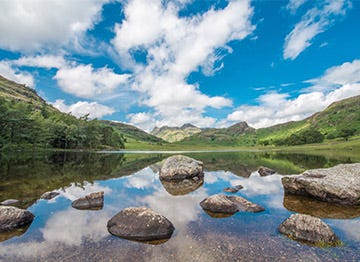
x=24 y=124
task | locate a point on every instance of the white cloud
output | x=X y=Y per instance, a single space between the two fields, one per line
x=81 y=108
x=314 y=22
x=337 y=83
x=45 y=61
x=293 y=5
x=86 y=82
x=174 y=47
x=36 y=24
x=18 y=76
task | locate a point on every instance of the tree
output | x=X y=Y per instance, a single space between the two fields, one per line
x=346 y=133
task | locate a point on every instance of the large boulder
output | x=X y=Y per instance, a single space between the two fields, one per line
x=140 y=224
x=308 y=229
x=339 y=184
x=180 y=167
x=94 y=201
x=183 y=187
x=229 y=204
x=13 y=218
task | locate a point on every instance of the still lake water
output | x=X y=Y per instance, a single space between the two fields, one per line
x=62 y=233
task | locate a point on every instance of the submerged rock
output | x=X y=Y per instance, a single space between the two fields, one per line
x=229 y=204
x=265 y=171
x=183 y=187
x=140 y=224
x=339 y=184
x=49 y=195
x=94 y=201
x=308 y=229
x=233 y=189
x=180 y=167
x=321 y=209
x=9 y=202
x=12 y=218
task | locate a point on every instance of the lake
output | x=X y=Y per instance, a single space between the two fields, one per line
x=62 y=233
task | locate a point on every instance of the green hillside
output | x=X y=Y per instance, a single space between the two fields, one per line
x=340 y=120
x=133 y=134
x=27 y=121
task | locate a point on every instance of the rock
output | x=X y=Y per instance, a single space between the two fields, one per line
x=180 y=167
x=140 y=224
x=12 y=218
x=183 y=187
x=94 y=201
x=308 y=229
x=339 y=184
x=230 y=190
x=229 y=204
x=264 y=171
x=49 y=195
x=9 y=202
x=233 y=189
x=321 y=209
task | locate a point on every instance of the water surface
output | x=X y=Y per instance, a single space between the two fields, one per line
x=61 y=233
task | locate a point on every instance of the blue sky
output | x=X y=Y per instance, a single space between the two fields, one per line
x=210 y=63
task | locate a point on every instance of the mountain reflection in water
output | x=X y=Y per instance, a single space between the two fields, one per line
x=60 y=232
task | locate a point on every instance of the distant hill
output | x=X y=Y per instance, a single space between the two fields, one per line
x=223 y=136
x=340 y=120
x=132 y=132
x=174 y=134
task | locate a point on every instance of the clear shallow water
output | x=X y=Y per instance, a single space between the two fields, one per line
x=61 y=233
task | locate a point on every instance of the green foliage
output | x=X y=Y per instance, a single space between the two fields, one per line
x=23 y=124
x=347 y=132
x=308 y=136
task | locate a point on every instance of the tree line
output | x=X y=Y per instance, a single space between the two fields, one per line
x=26 y=124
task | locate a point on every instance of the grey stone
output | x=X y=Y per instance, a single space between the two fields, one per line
x=9 y=202
x=233 y=189
x=308 y=229
x=229 y=204
x=339 y=184
x=49 y=195
x=180 y=167
x=265 y=171
x=12 y=218
x=93 y=201
x=140 y=224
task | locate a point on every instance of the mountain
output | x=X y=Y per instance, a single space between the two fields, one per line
x=223 y=136
x=340 y=120
x=133 y=133
x=27 y=121
x=174 y=134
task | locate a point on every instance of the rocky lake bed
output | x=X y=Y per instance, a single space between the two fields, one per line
x=183 y=208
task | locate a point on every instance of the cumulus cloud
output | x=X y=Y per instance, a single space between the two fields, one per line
x=337 y=83
x=16 y=75
x=45 y=61
x=86 y=82
x=81 y=80
x=313 y=22
x=38 y=24
x=81 y=108
x=176 y=46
